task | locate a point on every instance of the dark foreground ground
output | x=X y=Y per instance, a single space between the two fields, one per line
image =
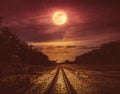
x=84 y=79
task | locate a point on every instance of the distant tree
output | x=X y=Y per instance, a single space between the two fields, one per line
x=108 y=53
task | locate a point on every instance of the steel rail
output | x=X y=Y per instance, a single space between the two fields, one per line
x=68 y=84
x=52 y=82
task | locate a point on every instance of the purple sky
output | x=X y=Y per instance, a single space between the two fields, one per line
x=89 y=21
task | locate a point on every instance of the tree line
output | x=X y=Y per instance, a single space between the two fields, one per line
x=108 y=53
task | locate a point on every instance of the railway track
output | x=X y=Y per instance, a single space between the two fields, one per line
x=69 y=87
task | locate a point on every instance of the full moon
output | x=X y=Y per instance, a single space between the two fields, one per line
x=59 y=17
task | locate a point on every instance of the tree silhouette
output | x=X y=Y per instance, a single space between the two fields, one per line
x=108 y=53
x=13 y=50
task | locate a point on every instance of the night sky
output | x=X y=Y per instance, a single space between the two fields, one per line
x=90 y=23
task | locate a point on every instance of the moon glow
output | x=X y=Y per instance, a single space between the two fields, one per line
x=59 y=17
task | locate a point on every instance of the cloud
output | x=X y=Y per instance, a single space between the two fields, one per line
x=87 y=20
x=86 y=47
x=71 y=47
x=35 y=33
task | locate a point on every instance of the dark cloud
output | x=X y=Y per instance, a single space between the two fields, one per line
x=86 y=47
x=71 y=46
x=35 y=33
x=83 y=47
